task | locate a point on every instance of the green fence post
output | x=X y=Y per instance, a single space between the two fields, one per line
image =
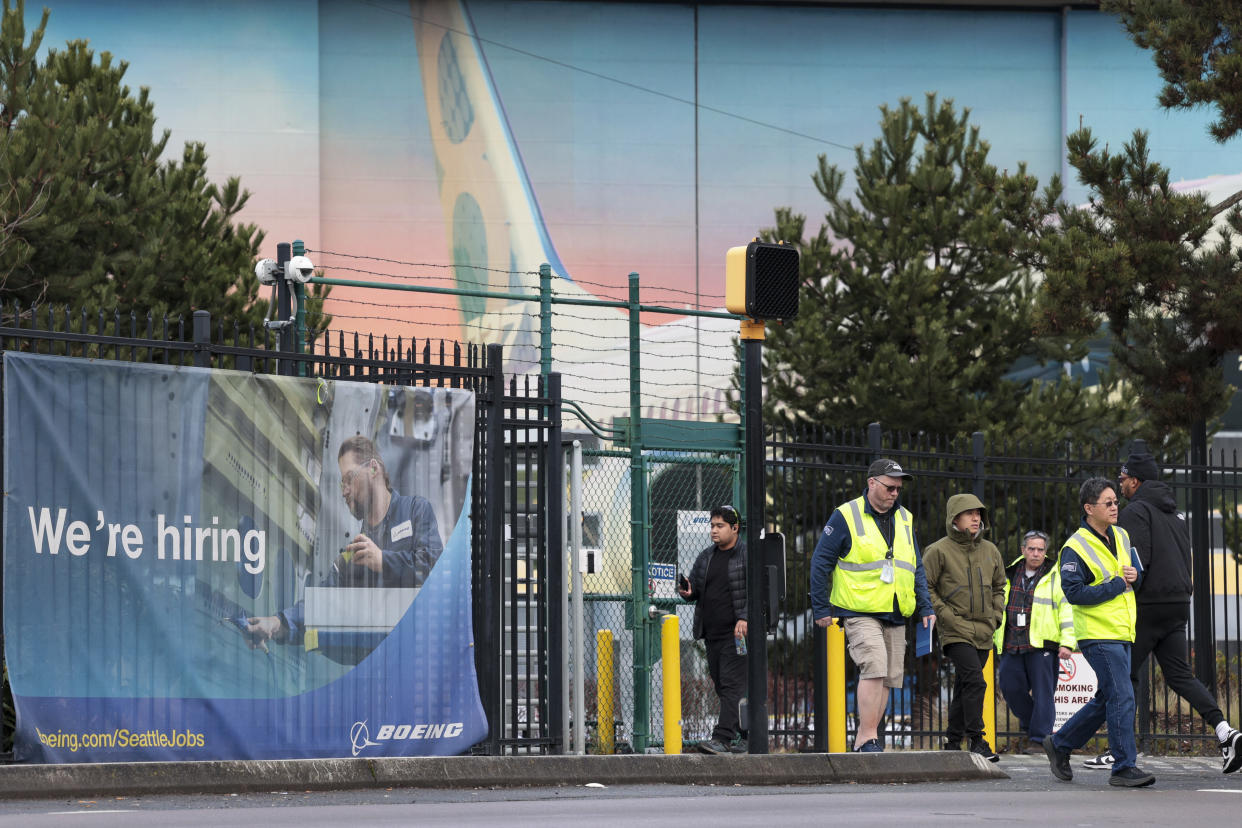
x=545 y=319
x=639 y=552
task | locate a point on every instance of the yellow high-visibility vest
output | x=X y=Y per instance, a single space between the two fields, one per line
x=1112 y=620
x=858 y=584
x=1052 y=617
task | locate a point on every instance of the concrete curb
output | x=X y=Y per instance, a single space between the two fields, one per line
x=139 y=778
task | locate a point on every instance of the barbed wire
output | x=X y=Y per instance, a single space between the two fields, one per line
x=624 y=392
x=489 y=285
x=625 y=363
x=448 y=305
x=423 y=264
x=565 y=368
x=676 y=324
x=645 y=288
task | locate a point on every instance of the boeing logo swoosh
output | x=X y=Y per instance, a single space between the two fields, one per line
x=360 y=737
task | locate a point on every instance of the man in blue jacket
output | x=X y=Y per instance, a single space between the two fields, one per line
x=867 y=570
x=1099 y=574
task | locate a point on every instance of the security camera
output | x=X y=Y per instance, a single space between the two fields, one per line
x=265 y=269
x=299 y=269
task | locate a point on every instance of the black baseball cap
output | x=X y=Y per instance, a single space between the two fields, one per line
x=1141 y=466
x=884 y=466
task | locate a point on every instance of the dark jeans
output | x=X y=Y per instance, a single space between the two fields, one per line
x=1161 y=631
x=966 y=708
x=1028 y=681
x=728 y=671
x=1112 y=704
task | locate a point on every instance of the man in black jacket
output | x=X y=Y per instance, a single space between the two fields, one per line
x=717 y=584
x=1163 y=541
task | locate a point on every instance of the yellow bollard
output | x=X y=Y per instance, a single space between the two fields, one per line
x=989 y=700
x=603 y=692
x=670 y=656
x=836 y=688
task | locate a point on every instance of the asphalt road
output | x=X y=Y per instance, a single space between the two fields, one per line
x=1187 y=792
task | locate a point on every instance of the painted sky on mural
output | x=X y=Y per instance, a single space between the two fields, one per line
x=283 y=90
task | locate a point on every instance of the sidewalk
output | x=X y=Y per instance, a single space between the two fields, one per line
x=139 y=778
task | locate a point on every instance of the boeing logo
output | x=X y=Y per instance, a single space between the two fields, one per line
x=360 y=737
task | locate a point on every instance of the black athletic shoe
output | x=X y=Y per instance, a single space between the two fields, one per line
x=713 y=746
x=1103 y=761
x=1231 y=752
x=981 y=747
x=1131 y=778
x=1058 y=761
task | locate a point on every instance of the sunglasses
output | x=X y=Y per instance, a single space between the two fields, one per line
x=888 y=488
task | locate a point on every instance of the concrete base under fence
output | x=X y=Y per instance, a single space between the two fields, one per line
x=130 y=779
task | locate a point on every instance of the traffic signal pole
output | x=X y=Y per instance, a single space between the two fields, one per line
x=762 y=282
x=756 y=589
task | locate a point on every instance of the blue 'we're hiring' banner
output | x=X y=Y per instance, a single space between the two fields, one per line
x=218 y=565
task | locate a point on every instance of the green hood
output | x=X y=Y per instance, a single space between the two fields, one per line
x=964 y=503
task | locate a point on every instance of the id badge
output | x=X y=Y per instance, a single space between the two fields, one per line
x=1020 y=619
x=886 y=574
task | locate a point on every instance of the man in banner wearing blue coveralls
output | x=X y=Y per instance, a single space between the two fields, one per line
x=397 y=546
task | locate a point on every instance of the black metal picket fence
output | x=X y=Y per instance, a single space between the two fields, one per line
x=515 y=521
x=517 y=511
x=1024 y=487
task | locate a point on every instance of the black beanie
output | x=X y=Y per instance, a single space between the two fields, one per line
x=1141 y=466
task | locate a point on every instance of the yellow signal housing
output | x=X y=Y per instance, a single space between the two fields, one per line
x=735 y=280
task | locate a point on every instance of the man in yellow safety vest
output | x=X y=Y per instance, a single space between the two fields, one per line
x=1038 y=632
x=1099 y=574
x=867 y=571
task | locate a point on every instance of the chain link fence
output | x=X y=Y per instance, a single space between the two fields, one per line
x=681 y=489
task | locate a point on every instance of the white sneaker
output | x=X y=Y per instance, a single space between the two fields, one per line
x=1102 y=762
x=1231 y=752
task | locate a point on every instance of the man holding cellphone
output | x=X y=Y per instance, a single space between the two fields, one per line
x=717 y=585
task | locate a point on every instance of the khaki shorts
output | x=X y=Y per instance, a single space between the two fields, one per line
x=877 y=648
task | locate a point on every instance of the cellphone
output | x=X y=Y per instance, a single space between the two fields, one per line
x=683 y=583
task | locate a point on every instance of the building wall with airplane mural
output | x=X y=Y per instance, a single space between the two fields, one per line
x=467 y=141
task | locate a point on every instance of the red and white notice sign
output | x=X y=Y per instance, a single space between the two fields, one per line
x=1075 y=687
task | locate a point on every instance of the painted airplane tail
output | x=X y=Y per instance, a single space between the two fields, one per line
x=496 y=227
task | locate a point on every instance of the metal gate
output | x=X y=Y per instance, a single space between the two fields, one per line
x=627 y=590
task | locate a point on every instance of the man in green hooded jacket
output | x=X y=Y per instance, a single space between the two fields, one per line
x=966 y=578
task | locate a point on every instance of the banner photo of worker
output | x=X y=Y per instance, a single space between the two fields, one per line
x=212 y=564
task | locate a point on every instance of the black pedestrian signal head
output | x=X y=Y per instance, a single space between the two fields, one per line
x=762 y=280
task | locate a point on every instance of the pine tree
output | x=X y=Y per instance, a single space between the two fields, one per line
x=1194 y=44
x=94 y=215
x=1149 y=262
x=914 y=304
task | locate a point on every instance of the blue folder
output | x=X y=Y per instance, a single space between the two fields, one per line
x=922 y=639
